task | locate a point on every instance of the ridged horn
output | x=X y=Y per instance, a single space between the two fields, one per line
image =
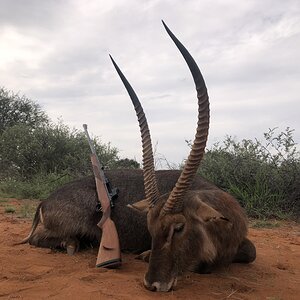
x=174 y=203
x=150 y=183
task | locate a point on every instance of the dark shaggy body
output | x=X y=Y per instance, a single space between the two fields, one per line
x=69 y=215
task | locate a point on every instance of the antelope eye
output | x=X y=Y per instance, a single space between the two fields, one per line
x=178 y=227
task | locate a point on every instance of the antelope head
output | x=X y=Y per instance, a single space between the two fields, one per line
x=173 y=219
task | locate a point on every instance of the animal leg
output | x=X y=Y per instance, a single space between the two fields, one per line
x=72 y=245
x=45 y=238
x=246 y=252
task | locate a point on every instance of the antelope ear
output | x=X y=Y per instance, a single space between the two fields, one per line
x=209 y=214
x=141 y=206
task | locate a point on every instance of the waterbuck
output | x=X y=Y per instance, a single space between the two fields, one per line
x=69 y=216
x=188 y=223
x=191 y=229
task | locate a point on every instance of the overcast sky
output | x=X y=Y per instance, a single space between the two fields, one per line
x=56 y=53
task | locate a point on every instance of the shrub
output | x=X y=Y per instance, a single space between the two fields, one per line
x=263 y=175
x=37 y=156
x=38 y=187
x=26 y=152
x=15 y=110
x=10 y=210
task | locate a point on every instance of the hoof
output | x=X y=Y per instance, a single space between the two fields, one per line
x=71 y=249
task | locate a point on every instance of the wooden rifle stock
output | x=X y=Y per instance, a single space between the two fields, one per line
x=109 y=255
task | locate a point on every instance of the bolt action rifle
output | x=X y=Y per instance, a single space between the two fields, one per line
x=109 y=255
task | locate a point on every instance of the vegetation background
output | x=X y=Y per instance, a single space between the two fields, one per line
x=37 y=156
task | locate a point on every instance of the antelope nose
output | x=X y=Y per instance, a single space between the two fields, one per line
x=149 y=286
x=159 y=286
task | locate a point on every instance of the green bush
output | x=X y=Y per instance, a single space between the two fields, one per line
x=15 y=110
x=263 y=175
x=38 y=187
x=26 y=152
x=37 y=156
x=10 y=210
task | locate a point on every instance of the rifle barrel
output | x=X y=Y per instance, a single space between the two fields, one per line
x=89 y=139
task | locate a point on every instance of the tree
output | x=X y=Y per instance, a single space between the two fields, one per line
x=126 y=163
x=30 y=145
x=15 y=109
x=25 y=152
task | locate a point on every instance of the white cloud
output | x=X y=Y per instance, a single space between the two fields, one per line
x=56 y=52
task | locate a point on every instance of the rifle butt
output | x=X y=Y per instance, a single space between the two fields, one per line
x=109 y=255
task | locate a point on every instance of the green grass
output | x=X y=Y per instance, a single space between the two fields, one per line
x=27 y=210
x=263 y=223
x=38 y=187
x=10 y=210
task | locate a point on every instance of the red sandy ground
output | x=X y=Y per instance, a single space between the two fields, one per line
x=27 y=272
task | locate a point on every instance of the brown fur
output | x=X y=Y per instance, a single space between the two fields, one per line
x=69 y=214
x=214 y=233
x=196 y=228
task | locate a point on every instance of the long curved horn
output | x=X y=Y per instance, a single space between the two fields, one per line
x=175 y=201
x=150 y=183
